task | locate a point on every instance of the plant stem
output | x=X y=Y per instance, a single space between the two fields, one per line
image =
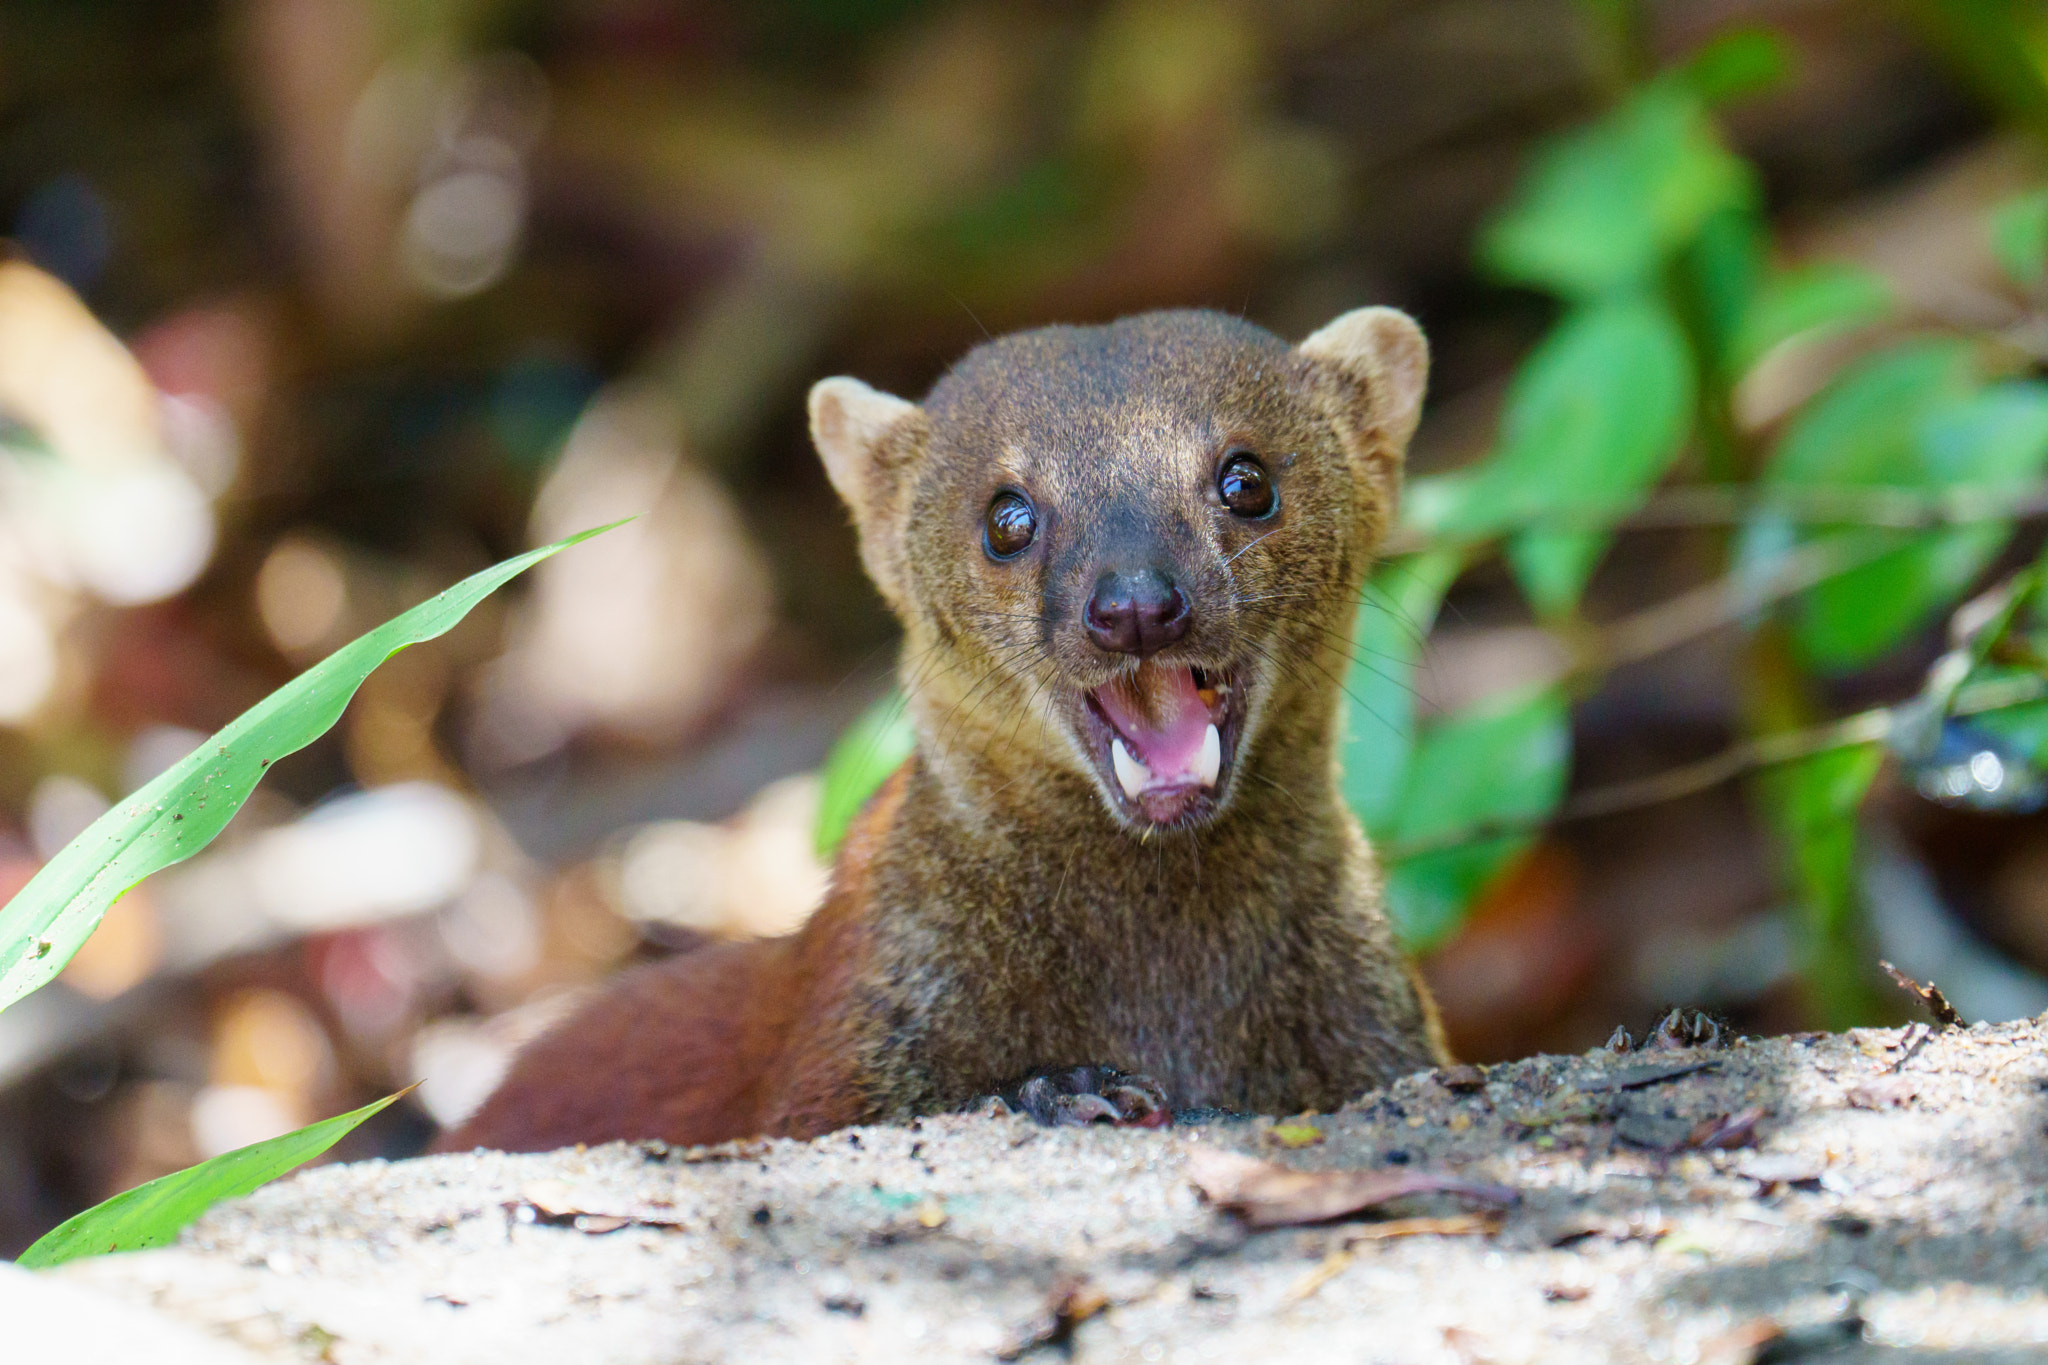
x=1744 y=756
x=1693 y=505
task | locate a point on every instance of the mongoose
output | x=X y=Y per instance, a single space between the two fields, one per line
x=1116 y=878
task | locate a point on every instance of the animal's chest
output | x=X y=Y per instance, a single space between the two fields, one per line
x=1203 y=1007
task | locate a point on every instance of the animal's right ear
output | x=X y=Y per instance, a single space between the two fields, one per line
x=852 y=426
x=866 y=439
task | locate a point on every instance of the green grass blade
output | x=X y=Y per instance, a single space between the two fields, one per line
x=872 y=748
x=180 y=812
x=152 y=1215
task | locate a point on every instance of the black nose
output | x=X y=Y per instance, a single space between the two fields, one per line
x=1139 y=612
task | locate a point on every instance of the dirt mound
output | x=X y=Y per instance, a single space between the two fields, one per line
x=1878 y=1191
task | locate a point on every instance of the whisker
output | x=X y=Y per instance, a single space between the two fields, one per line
x=1255 y=543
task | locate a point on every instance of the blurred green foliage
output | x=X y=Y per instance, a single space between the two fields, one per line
x=1649 y=233
x=1501 y=763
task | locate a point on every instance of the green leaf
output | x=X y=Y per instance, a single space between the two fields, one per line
x=1860 y=430
x=1863 y=431
x=1399 y=605
x=1722 y=270
x=1813 y=804
x=1856 y=617
x=1593 y=420
x=1908 y=419
x=1600 y=209
x=2024 y=728
x=1824 y=296
x=180 y=812
x=2019 y=238
x=873 y=747
x=152 y=1215
x=1434 y=506
x=1997 y=437
x=1504 y=763
x=1737 y=62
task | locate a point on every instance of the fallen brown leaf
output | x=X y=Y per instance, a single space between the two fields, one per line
x=1461 y=1077
x=1642 y=1226
x=554 y=1198
x=1266 y=1195
x=1726 y=1133
x=1073 y=1301
x=559 y=1203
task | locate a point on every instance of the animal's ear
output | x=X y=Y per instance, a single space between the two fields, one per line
x=867 y=439
x=853 y=425
x=1382 y=365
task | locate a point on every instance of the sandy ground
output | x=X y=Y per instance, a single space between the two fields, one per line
x=1874 y=1201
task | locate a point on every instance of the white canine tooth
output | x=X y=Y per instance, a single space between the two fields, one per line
x=1210 y=765
x=1130 y=772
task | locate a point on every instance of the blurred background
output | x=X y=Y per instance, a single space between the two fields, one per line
x=314 y=306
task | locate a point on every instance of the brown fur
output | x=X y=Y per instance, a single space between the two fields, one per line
x=994 y=914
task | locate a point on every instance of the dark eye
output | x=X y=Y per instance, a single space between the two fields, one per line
x=1246 y=488
x=1011 y=526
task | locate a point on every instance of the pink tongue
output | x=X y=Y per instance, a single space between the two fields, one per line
x=1161 y=717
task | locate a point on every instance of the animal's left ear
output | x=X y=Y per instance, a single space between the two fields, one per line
x=1381 y=365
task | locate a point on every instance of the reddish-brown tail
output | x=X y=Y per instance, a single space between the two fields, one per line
x=729 y=1041
x=664 y=1053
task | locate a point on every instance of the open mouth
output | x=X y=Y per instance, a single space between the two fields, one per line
x=1163 y=738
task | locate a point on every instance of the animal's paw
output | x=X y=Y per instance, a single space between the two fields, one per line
x=1681 y=1030
x=1675 y=1030
x=1079 y=1095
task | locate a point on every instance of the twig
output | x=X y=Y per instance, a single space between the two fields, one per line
x=1324 y=1271
x=1701 y=610
x=1727 y=599
x=1929 y=995
x=1912 y=1048
x=1865 y=727
x=1696 y=505
x=1341 y=1259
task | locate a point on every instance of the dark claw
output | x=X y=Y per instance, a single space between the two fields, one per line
x=1082 y=1110
x=1079 y=1095
x=1676 y=1030
x=1140 y=1105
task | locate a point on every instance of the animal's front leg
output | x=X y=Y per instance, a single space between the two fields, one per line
x=1080 y=1095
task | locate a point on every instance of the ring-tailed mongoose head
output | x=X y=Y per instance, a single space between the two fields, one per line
x=1115 y=548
